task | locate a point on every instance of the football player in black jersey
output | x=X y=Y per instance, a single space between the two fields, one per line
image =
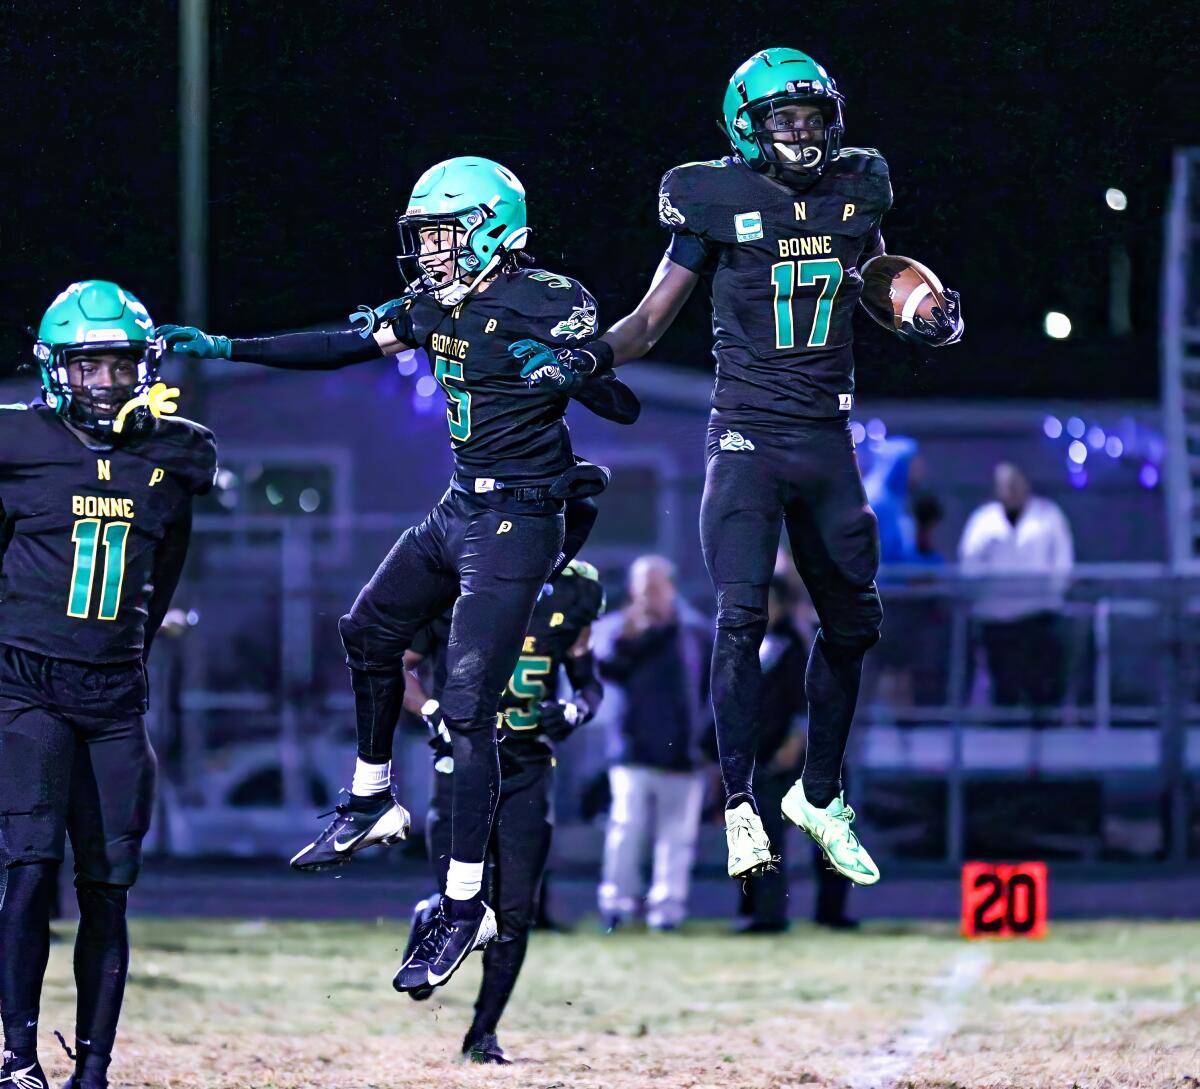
x=533 y=721
x=96 y=498
x=491 y=543
x=779 y=231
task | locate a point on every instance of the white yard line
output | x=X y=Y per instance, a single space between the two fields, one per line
x=882 y=1069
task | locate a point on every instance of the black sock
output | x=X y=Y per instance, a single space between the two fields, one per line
x=378 y=699
x=736 y=680
x=24 y=950
x=460 y=910
x=831 y=685
x=734 y=800
x=101 y=967
x=475 y=789
x=502 y=962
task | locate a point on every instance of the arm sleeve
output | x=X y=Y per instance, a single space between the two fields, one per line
x=692 y=252
x=317 y=350
x=608 y=397
x=168 y=566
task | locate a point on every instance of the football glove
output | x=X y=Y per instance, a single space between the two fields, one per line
x=558 y=718
x=945 y=327
x=439 y=736
x=565 y=368
x=188 y=340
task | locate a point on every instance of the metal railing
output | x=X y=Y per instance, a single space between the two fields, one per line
x=254 y=723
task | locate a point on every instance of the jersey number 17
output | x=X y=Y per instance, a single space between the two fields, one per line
x=786 y=276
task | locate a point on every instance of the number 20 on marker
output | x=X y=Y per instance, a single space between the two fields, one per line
x=1004 y=901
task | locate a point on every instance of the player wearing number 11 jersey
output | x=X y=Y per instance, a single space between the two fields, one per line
x=779 y=231
x=95 y=513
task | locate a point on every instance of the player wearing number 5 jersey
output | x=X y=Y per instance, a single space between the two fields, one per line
x=492 y=541
x=95 y=513
x=779 y=231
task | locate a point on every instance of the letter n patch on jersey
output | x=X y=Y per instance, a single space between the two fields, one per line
x=103 y=469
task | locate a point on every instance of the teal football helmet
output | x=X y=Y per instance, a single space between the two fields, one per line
x=793 y=145
x=465 y=216
x=92 y=317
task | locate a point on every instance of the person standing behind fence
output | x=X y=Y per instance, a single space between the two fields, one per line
x=657 y=658
x=1021 y=544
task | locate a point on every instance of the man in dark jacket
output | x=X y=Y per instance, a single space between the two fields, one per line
x=657 y=660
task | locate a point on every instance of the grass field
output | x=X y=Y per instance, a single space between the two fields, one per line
x=230 y=1005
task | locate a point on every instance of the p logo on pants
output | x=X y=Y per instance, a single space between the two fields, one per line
x=505 y=526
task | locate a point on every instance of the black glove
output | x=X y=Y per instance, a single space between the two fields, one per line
x=944 y=327
x=439 y=736
x=559 y=718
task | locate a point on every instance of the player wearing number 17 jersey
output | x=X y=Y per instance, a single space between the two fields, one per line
x=95 y=513
x=780 y=231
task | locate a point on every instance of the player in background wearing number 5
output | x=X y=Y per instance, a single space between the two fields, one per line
x=96 y=493
x=780 y=230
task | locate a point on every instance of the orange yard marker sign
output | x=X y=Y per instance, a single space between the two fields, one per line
x=1004 y=901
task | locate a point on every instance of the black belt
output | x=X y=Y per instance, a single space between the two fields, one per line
x=536 y=494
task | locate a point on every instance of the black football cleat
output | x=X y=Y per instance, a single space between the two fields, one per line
x=485 y=1049
x=422 y=913
x=20 y=1071
x=442 y=946
x=359 y=823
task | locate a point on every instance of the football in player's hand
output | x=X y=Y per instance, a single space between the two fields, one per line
x=897 y=290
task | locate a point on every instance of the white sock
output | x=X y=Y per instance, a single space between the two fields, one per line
x=370 y=778
x=464 y=879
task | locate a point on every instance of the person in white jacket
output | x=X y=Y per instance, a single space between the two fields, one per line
x=1020 y=545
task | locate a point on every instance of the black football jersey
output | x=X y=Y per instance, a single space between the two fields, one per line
x=500 y=428
x=79 y=528
x=573 y=601
x=783 y=269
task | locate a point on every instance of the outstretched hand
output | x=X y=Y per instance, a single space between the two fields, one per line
x=190 y=341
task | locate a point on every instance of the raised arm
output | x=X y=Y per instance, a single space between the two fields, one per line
x=368 y=334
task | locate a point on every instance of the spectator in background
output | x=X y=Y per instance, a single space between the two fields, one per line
x=1021 y=544
x=659 y=663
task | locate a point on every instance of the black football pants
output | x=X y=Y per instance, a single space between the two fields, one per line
x=805 y=477
x=517 y=854
x=75 y=760
x=488 y=556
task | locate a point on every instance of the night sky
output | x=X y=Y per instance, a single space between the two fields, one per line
x=1003 y=125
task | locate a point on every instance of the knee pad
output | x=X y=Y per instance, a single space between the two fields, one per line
x=119 y=868
x=742 y=607
x=101 y=901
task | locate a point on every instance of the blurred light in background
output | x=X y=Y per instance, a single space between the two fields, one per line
x=1148 y=477
x=1116 y=200
x=1113 y=446
x=1096 y=437
x=310 y=500
x=1076 y=427
x=426 y=385
x=1078 y=477
x=858 y=433
x=1052 y=427
x=406 y=363
x=877 y=430
x=1057 y=325
x=274 y=495
x=1077 y=452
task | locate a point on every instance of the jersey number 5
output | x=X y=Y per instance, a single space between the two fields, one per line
x=527 y=684
x=786 y=276
x=458 y=411
x=87 y=535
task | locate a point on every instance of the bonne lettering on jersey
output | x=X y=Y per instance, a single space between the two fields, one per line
x=102 y=506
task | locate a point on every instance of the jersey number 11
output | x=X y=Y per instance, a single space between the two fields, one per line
x=87 y=535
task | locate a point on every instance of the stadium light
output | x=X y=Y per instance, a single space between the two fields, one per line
x=1057 y=325
x=1077 y=452
x=1116 y=200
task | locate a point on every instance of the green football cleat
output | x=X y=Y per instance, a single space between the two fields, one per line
x=749 y=847
x=830 y=827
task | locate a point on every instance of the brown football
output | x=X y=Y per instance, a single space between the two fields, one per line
x=895 y=288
